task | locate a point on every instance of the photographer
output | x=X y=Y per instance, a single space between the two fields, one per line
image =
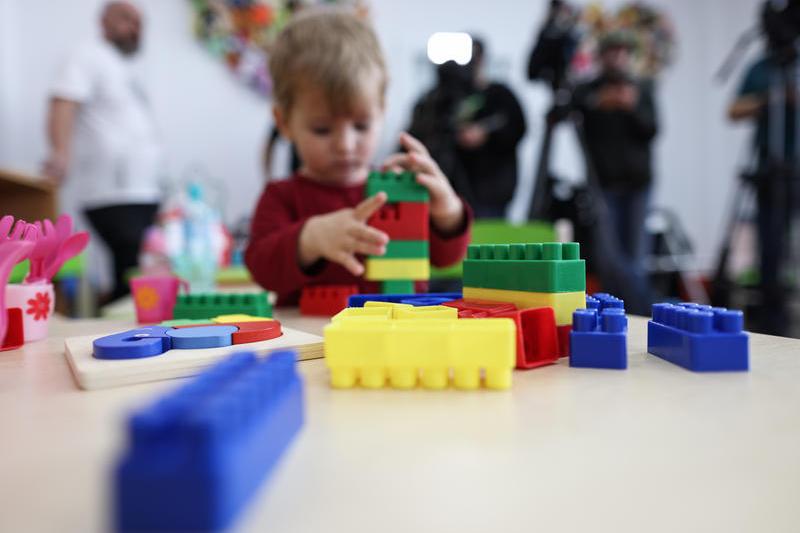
x=619 y=123
x=775 y=174
x=473 y=127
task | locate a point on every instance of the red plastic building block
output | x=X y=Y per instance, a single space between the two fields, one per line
x=537 y=337
x=248 y=332
x=15 y=335
x=480 y=308
x=406 y=221
x=563 y=339
x=325 y=300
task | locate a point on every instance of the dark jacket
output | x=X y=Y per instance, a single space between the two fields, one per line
x=619 y=142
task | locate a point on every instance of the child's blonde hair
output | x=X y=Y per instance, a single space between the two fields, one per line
x=331 y=49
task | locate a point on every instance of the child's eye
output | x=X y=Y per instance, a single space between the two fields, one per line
x=362 y=126
x=320 y=130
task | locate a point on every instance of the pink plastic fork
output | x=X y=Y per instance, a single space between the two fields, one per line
x=14 y=247
x=46 y=246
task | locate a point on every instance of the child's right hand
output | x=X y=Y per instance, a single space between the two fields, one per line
x=340 y=235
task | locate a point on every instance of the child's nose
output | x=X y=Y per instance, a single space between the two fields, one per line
x=345 y=141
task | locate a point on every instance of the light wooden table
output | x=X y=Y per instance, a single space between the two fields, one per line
x=653 y=448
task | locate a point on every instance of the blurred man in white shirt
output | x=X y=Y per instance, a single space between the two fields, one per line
x=102 y=135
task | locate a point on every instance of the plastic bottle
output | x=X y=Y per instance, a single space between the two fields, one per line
x=199 y=261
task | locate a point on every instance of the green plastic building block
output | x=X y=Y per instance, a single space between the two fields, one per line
x=397 y=286
x=401 y=187
x=195 y=306
x=405 y=250
x=535 y=267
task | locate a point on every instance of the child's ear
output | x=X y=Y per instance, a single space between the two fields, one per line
x=281 y=122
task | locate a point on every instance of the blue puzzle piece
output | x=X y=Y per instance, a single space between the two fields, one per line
x=699 y=337
x=198 y=454
x=358 y=300
x=598 y=339
x=202 y=337
x=133 y=344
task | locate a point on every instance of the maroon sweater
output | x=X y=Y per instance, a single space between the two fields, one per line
x=283 y=209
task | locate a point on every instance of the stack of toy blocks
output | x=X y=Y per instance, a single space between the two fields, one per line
x=197 y=306
x=406 y=345
x=405 y=219
x=599 y=334
x=534 y=275
x=698 y=337
x=325 y=300
x=197 y=455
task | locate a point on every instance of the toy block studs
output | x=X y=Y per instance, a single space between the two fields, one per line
x=598 y=339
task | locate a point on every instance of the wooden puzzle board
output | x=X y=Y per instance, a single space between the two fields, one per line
x=91 y=373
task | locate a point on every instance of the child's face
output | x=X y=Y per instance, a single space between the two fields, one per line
x=335 y=148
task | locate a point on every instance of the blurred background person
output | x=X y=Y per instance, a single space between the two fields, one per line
x=102 y=135
x=619 y=126
x=475 y=126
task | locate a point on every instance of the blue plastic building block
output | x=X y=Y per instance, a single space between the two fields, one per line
x=698 y=337
x=202 y=337
x=198 y=454
x=603 y=300
x=358 y=300
x=597 y=339
x=133 y=344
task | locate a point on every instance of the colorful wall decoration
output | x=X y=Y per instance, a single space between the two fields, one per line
x=240 y=32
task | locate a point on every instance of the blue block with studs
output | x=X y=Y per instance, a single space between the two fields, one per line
x=700 y=338
x=198 y=454
x=598 y=339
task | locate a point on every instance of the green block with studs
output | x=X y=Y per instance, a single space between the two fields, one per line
x=532 y=267
x=211 y=305
x=398 y=286
x=399 y=187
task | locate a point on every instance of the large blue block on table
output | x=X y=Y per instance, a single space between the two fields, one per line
x=431 y=298
x=598 y=339
x=197 y=455
x=698 y=337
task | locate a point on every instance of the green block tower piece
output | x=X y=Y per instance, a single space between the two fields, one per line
x=404 y=244
x=536 y=267
x=199 y=306
x=397 y=286
x=402 y=187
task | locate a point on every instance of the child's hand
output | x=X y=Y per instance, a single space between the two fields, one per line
x=447 y=209
x=340 y=235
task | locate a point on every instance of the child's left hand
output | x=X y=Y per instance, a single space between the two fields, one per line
x=447 y=209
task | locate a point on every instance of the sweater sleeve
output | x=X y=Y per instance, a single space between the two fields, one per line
x=446 y=250
x=643 y=119
x=271 y=255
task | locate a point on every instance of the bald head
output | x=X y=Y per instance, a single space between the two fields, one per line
x=122 y=24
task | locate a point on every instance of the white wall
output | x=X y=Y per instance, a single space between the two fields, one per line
x=208 y=118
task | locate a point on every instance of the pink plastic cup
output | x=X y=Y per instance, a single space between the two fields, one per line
x=155 y=296
x=37 y=301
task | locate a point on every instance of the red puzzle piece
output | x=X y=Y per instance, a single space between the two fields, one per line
x=537 y=337
x=15 y=334
x=407 y=221
x=261 y=330
x=325 y=300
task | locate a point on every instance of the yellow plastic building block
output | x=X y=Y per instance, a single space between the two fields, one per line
x=389 y=269
x=563 y=303
x=388 y=305
x=230 y=319
x=363 y=313
x=408 y=352
x=425 y=312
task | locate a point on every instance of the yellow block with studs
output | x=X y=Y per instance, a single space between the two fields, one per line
x=378 y=269
x=230 y=319
x=405 y=353
x=563 y=303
